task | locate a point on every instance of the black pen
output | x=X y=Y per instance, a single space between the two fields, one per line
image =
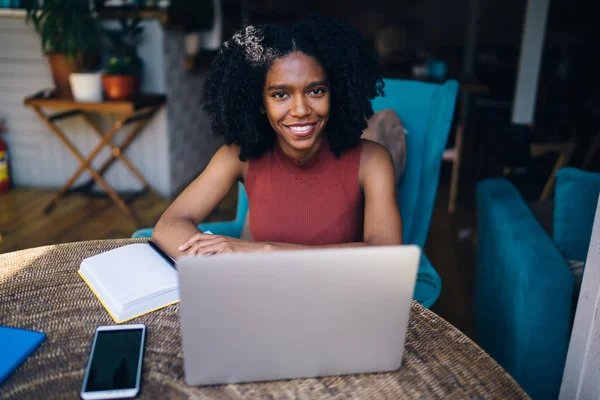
x=162 y=253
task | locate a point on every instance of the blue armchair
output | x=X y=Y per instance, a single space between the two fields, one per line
x=426 y=110
x=226 y=228
x=524 y=287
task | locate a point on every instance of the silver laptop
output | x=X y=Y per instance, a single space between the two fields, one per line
x=265 y=316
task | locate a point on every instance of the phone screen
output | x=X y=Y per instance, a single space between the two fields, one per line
x=115 y=360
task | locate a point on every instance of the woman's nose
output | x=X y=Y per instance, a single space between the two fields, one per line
x=299 y=107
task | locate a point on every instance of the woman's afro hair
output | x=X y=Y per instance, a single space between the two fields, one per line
x=232 y=92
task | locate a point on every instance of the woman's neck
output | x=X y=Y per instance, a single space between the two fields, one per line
x=300 y=156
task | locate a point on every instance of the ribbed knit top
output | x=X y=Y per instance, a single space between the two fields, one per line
x=315 y=203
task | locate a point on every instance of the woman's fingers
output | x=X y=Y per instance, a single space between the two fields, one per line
x=188 y=243
x=226 y=249
x=199 y=248
x=211 y=241
x=197 y=237
x=193 y=250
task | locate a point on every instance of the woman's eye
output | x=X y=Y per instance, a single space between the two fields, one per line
x=279 y=95
x=317 y=92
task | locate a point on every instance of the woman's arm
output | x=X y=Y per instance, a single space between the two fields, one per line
x=179 y=222
x=382 y=223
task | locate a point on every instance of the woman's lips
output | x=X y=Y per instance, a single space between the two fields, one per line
x=301 y=130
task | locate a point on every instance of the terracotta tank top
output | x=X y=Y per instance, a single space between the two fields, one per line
x=316 y=203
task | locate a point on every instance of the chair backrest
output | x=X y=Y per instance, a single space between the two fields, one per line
x=575 y=202
x=426 y=110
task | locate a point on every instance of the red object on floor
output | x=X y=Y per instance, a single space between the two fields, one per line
x=4 y=173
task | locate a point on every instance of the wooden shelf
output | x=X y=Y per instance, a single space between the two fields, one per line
x=161 y=15
x=46 y=98
x=168 y=19
x=12 y=13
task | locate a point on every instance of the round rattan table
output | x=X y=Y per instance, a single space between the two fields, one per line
x=41 y=290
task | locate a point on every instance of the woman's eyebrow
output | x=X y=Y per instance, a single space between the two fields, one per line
x=318 y=83
x=277 y=87
x=285 y=87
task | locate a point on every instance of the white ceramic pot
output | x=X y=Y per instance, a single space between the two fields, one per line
x=86 y=86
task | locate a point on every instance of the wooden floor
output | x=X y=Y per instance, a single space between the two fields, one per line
x=451 y=249
x=77 y=217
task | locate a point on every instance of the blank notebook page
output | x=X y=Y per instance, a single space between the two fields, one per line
x=132 y=272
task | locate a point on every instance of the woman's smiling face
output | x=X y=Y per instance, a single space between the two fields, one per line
x=297 y=102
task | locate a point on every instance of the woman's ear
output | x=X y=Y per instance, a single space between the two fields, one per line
x=262 y=110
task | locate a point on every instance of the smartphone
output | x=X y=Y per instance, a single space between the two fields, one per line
x=114 y=369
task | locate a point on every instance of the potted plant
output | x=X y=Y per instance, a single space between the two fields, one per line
x=121 y=79
x=86 y=86
x=70 y=37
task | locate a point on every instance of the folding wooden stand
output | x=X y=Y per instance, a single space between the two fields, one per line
x=564 y=150
x=467 y=86
x=139 y=112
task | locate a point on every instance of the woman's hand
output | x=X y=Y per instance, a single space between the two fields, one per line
x=207 y=244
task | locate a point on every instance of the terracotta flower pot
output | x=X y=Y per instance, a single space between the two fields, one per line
x=121 y=87
x=61 y=69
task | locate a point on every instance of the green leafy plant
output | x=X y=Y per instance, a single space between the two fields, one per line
x=122 y=66
x=65 y=26
x=124 y=57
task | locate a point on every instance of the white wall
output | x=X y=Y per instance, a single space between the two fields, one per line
x=581 y=379
x=532 y=43
x=38 y=159
x=191 y=142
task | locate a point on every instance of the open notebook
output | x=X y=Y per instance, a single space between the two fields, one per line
x=131 y=280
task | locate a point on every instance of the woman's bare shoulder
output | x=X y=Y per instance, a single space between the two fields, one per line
x=371 y=149
x=375 y=159
x=228 y=156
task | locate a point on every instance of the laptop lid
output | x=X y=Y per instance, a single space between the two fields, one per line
x=266 y=316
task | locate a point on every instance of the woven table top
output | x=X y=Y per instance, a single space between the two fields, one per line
x=41 y=290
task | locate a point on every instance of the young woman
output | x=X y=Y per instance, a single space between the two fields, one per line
x=291 y=105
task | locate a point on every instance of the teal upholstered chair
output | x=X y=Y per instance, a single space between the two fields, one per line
x=226 y=228
x=426 y=110
x=524 y=288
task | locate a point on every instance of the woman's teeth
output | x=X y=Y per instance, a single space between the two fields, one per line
x=301 y=129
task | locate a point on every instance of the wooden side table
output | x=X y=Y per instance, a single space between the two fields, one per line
x=138 y=112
